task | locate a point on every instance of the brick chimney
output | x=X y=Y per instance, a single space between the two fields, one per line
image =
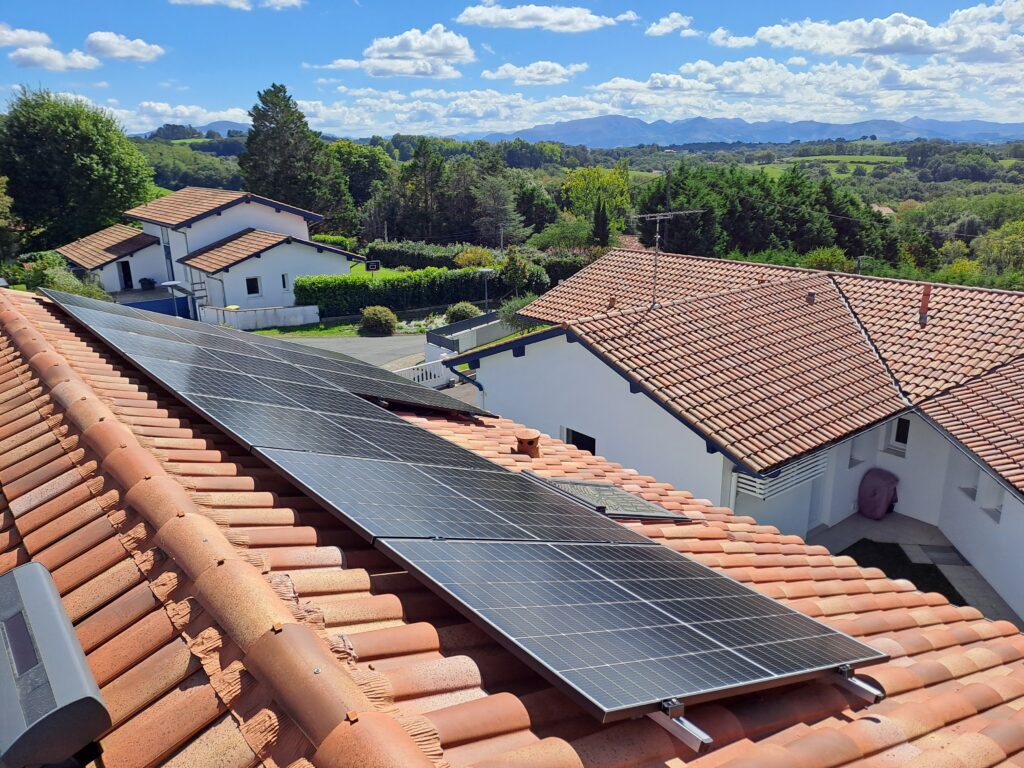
x=528 y=443
x=922 y=315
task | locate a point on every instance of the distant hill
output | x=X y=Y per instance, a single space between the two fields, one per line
x=222 y=127
x=620 y=131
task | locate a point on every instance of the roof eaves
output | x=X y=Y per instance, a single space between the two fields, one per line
x=474 y=355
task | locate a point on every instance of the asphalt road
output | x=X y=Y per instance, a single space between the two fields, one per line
x=378 y=350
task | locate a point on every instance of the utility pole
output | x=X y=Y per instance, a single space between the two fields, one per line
x=501 y=238
x=385 y=230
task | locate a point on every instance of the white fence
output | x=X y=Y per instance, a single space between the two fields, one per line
x=433 y=374
x=260 y=317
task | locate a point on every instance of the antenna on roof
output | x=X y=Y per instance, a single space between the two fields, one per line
x=657 y=218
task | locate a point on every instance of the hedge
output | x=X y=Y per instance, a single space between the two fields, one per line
x=347 y=294
x=415 y=254
x=338 y=241
x=561 y=267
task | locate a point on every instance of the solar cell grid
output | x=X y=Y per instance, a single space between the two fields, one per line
x=192 y=379
x=327 y=400
x=616 y=501
x=563 y=608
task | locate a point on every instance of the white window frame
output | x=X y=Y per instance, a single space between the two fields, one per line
x=892 y=445
x=259 y=286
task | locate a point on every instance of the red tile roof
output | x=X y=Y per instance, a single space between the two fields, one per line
x=625 y=278
x=106 y=246
x=766 y=373
x=206 y=590
x=190 y=204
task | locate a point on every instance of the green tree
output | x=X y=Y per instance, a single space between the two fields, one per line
x=533 y=202
x=1002 y=249
x=515 y=271
x=583 y=188
x=8 y=224
x=569 y=233
x=362 y=164
x=70 y=168
x=954 y=250
x=421 y=189
x=172 y=132
x=600 y=231
x=498 y=222
x=286 y=160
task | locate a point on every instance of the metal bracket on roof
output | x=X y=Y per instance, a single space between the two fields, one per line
x=672 y=720
x=858 y=686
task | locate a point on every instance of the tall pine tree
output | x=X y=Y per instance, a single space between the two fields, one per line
x=286 y=160
x=601 y=231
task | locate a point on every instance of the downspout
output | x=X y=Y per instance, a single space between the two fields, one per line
x=468 y=380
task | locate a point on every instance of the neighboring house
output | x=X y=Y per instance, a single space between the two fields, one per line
x=230 y=620
x=228 y=248
x=773 y=390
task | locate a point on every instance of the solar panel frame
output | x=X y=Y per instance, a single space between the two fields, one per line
x=629 y=684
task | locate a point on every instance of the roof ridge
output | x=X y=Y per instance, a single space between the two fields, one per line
x=909 y=281
x=331 y=711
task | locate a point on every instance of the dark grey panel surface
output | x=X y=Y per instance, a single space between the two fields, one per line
x=615 y=501
x=566 y=609
x=329 y=400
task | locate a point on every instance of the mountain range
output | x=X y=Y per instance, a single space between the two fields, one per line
x=609 y=131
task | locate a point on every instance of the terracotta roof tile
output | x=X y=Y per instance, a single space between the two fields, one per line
x=624 y=278
x=105 y=246
x=195 y=672
x=192 y=203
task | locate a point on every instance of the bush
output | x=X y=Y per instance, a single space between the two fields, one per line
x=413 y=253
x=61 y=279
x=36 y=264
x=348 y=294
x=378 y=321
x=560 y=267
x=475 y=256
x=508 y=312
x=830 y=257
x=349 y=244
x=464 y=310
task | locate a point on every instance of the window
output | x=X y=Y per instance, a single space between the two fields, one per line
x=580 y=440
x=897 y=435
x=252 y=286
x=284 y=282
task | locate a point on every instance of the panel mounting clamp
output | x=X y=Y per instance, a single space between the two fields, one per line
x=672 y=719
x=858 y=686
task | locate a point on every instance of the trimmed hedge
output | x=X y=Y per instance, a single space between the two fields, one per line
x=560 y=267
x=415 y=254
x=348 y=294
x=350 y=244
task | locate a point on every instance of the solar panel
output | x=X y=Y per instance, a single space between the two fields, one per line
x=609 y=499
x=391 y=498
x=573 y=612
x=247 y=353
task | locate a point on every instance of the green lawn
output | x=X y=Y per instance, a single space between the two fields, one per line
x=359 y=268
x=315 y=329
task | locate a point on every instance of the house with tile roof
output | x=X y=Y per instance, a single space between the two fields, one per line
x=226 y=248
x=229 y=619
x=774 y=390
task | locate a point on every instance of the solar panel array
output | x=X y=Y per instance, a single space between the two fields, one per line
x=618 y=621
x=613 y=501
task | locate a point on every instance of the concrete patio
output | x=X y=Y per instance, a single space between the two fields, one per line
x=924 y=544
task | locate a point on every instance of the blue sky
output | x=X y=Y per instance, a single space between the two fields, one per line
x=360 y=67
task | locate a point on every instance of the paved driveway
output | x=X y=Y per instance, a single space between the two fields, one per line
x=378 y=350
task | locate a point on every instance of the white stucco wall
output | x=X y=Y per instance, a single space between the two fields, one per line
x=240 y=217
x=149 y=262
x=293 y=259
x=791 y=512
x=558 y=384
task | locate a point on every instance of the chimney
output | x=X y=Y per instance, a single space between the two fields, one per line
x=611 y=302
x=922 y=316
x=811 y=296
x=528 y=443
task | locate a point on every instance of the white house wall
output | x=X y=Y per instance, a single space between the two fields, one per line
x=293 y=259
x=239 y=217
x=149 y=262
x=558 y=384
x=791 y=512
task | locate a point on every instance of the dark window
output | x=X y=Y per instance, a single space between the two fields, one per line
x=126 y=275
x=19 y=640
x=252 y=286
x=902 y=431
x=284 y=281
x=580 y=440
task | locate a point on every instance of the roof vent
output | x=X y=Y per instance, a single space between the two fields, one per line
x=611 y=302
x=528 y=443
x=922 y=316
x=811 y=296
x=52 y=707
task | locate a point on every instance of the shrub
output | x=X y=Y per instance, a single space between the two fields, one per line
x=36 y=264
x=508 y=312
x=348 y=294
x=61 y=279
x=464 y=310
x=830 y=257
x=413 y=253
x=378 y=321
x=349 y=244
x=563 y=265
x=475 y=256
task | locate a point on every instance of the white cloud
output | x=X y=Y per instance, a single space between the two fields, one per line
x=537 y=73
x=554 y=18
x=666 y=25
x=727 y=39
x=52 y=59
x=281 y=5
x=413 y=53
x=9 y=36
x=110 y=45
x=797 y=61
x=487 y=48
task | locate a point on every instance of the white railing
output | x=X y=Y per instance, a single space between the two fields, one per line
x=433 y=374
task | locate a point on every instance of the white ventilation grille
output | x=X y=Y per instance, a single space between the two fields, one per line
x=797 y=473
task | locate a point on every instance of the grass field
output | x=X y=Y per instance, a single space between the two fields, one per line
x=831 y=162
x=358 y=268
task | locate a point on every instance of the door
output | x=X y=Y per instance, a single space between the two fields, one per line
x=125 y=269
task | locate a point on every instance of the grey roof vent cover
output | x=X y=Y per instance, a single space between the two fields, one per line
x=50 y=705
